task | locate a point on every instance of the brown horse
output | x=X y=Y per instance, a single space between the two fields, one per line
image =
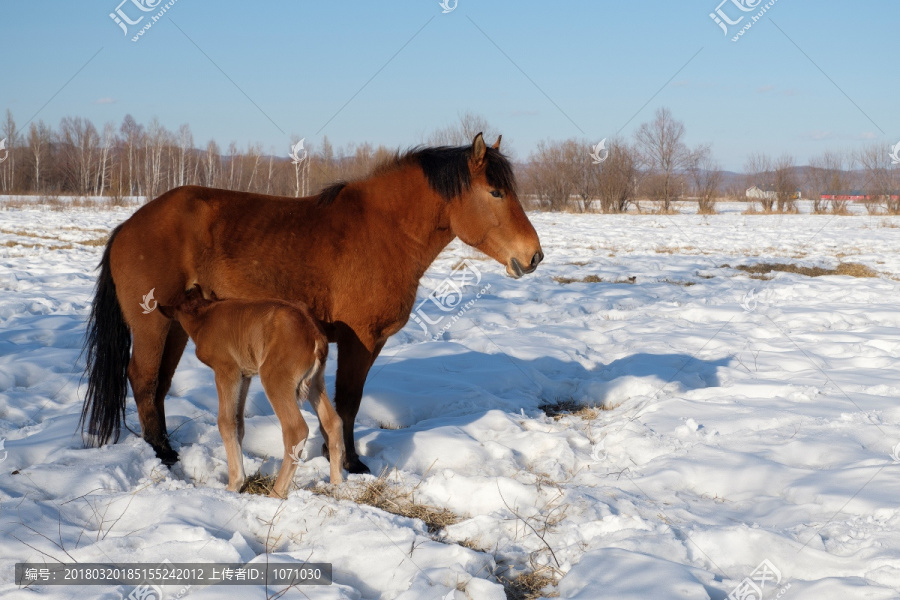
x=354 y=254
x=287 y=348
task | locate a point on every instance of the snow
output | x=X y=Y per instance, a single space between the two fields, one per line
x=740 y=420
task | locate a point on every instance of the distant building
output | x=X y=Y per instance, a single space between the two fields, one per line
x=767 y=193
x=757 y=193
x=856 y=196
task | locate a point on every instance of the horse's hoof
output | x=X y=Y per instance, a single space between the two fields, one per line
x=168 y=456
x=354 y=465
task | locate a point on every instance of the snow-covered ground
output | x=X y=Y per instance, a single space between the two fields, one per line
x=745 y=420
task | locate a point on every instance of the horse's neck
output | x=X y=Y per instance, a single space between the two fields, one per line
x=410 y=213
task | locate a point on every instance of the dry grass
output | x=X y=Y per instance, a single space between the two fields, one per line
x=849 y=269
x=391 y=426
x=393 y=498
x=99 y=241
x=681 y=283
x=568 y=407
x=259 y=484
x=675 y=250
x=591 y=279
x=55 y=203
x=759 y=211
x=528 y=586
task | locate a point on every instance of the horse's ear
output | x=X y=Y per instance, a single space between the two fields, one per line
x=479 y=148
x=496 y=145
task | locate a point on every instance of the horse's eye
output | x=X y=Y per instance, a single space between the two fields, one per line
x=496 y=194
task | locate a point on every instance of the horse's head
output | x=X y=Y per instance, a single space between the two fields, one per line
x=488 y=215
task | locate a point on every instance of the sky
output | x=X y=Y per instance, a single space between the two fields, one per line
x=804 y=78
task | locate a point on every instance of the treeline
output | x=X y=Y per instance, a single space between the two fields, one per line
x=137 y=160
x=132 y=159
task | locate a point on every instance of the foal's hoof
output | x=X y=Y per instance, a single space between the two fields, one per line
x=351 y=463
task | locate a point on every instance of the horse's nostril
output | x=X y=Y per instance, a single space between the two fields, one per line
x=537 y=258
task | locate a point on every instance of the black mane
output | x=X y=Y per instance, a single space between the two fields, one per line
x=446 y=168
x=328 y=195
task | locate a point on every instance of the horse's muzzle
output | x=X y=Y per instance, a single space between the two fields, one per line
x=516 y=267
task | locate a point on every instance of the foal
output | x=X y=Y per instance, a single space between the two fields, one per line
x=287 y=348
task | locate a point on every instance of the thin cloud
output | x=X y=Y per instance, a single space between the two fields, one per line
x=105 y=100
x=765 y=88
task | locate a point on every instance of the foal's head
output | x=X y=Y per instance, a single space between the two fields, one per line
x=483 y=206
x=189 y=302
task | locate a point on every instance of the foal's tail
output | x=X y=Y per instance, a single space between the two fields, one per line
x=108 y=348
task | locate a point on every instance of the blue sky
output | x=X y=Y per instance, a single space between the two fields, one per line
x=805 y=78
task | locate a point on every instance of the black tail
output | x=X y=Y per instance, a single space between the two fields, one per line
x=108 y=348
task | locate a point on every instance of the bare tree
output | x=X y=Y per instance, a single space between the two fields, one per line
x=880 y=177
x=185 y=145
x=8 y=168
x=39 y=139
x=462 y=132
x=759 y=172
x=660 y=143
x=213 y=164
x=79 y=144
x=582 y=173
x=133 y=140
x=104 y=163
x=547 y=178
x=706 y=179
x=828 y=175
x=617 y=178
x=785 y=183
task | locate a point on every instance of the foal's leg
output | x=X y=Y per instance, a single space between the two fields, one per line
x=329 y=421
x=242 y=401
x=229 y=384
x=280 y=385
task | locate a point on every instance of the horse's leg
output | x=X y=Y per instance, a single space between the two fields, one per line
x=176 y=340
x=281 y=388
x=354 y=362
x=150 y=339
x=329 y=422
x=229 y=384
